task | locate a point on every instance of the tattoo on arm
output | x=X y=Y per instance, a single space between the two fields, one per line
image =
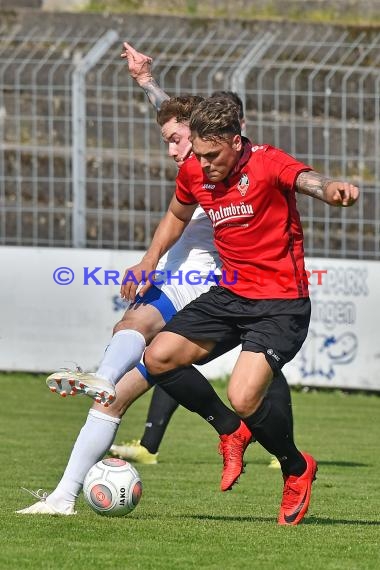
x=155 y=94
x=312 y=184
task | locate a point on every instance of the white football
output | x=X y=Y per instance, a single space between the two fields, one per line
x=112 y=487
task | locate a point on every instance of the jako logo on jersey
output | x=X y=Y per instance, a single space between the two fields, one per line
x=271 y=353
x=230 y=212
x=208 y=186
x=243 y=184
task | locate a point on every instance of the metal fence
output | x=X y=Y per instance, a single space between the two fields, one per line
x=81 y=161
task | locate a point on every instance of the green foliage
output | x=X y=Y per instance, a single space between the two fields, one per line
x=192 y=7
x=183 y=520
x=298 y=12
x=114 y=5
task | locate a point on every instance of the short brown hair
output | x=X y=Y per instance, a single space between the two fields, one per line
x=234 y=97
x=215 y=118
x=179 y=108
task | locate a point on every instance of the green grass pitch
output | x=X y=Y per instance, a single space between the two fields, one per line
x=183 y=521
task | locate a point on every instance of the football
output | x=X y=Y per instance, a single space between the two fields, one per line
x=112 y=487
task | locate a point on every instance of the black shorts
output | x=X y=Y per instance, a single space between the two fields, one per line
x=275 y=327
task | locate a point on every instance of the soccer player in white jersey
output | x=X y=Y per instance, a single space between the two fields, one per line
x=139 y=325
x=194 y=252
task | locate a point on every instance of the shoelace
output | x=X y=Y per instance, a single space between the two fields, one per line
x=39 y=494
x=221 y=452
x=291 y=494
x=77 y=367
x=231 y=451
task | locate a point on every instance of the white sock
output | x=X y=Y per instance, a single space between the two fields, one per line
x=123 y=353
x=93 y=441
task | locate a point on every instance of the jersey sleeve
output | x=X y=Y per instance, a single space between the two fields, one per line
x=183 y=185
x=283 y=168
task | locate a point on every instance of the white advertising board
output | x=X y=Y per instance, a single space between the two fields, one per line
x=342 y=349
x=45 y=325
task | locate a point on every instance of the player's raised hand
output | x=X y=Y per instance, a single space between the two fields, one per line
x=139 y=64
x=342 y=193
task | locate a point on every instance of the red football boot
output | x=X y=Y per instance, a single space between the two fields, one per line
x=296 y=493
x=232 y=448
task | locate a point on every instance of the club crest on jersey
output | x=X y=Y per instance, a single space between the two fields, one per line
x=243 y=184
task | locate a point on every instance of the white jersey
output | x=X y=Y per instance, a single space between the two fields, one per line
x=191 y=258
x=195 y=250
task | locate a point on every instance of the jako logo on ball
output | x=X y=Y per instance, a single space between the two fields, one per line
x=112 y=487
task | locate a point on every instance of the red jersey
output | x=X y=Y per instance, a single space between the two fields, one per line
x=257 y=228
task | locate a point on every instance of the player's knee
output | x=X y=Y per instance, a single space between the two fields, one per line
x=129 y=324
x=118 y=408
x=144 y=326
x=244 y=403
x=115 y=410
x=156 y=360
x=120 y=326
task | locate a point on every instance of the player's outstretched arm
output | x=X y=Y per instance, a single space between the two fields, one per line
x=333 y=192
x=168 y=231
x=140 y=69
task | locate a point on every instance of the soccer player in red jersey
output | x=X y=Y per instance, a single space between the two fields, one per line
x=174 y=123
x=248 y=192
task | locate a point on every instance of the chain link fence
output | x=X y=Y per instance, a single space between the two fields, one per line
x=81 y=160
